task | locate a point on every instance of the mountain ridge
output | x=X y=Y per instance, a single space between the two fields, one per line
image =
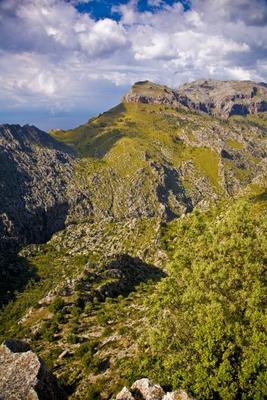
x=219 y=98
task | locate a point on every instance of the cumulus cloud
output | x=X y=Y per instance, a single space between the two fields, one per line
x=53 y=57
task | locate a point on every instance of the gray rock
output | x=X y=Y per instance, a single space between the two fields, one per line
x=146 y=389
x=220 y=98
x=125 y=394
x=33 y=199
x=24 y=376
x=177 y=395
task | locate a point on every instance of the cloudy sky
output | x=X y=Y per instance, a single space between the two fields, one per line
x=62 y=61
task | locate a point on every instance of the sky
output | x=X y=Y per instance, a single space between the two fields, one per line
x=63 y=61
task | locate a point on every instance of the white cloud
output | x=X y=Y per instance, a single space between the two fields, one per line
x=239 y=73
x=52 y=56
x=105 y=36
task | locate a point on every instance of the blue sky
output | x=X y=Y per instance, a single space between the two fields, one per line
x=105 y=8
x=62 y=61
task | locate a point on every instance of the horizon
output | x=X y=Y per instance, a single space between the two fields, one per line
x=82 y=118
x=63 y=62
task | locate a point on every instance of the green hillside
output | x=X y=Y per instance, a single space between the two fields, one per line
x=155 y=160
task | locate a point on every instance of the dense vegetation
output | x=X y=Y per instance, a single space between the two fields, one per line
x=206 y=329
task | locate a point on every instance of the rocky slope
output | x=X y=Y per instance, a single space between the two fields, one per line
x=136 y=160
x=219 y=98
x=34 y=173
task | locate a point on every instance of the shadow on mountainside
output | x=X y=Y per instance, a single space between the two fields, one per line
x=15 y=271
x=18 y=223
x=15 y=274
x=118 y=276
x=262 y=197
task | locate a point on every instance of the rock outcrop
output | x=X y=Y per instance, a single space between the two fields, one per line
x=24 y=376
x=145 y=389
x=219 y=98
x=35 y=170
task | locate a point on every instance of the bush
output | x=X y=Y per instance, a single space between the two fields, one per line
x=72 y=338
x=57 y=305
x=49 y=329
x=86 y=348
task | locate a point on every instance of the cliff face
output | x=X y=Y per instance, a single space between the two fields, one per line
x=34 y=173
x=219 y=98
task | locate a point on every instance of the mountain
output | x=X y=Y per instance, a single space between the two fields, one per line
x=219 y=98
x=101 y=224
x=35 y=170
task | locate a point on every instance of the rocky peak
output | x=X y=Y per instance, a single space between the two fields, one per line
x=24 y=376
x=224 y=98
x=149 y=92
x=219 y=98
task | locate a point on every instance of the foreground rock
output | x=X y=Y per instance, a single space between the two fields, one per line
x=24 y=376
x=145 y=389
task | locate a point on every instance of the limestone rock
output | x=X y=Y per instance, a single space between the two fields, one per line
x=146 y=389
x=177 y=395
x=125 y=394
x=33 y=198
x=220 y=98
x=24 y=376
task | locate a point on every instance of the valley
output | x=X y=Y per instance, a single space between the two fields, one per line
x=135 y=245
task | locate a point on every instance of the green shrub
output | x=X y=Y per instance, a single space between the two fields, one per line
x=72 y=338
x=49 y=329
x=57 y=305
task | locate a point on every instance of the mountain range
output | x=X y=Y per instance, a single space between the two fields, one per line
x=91 y=220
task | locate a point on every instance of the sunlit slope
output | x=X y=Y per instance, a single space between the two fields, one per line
x=148 y=159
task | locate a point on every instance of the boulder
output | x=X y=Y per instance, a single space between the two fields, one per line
x=145 y=389
x=125 y=394
x=177 y=395
x=24 y=376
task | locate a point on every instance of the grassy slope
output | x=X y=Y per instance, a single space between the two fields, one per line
x=125 y=139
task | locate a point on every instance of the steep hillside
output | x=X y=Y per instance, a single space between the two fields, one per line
x=102 y=319
x=96 y=214
x=34 y=173
x=156 y=160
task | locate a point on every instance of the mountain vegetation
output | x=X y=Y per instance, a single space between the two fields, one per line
x=135 y=245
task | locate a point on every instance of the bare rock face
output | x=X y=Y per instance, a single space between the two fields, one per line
x=35 y=171
x=23 y=375
x=224 y=98
x=145 y=389
x=219 y=98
